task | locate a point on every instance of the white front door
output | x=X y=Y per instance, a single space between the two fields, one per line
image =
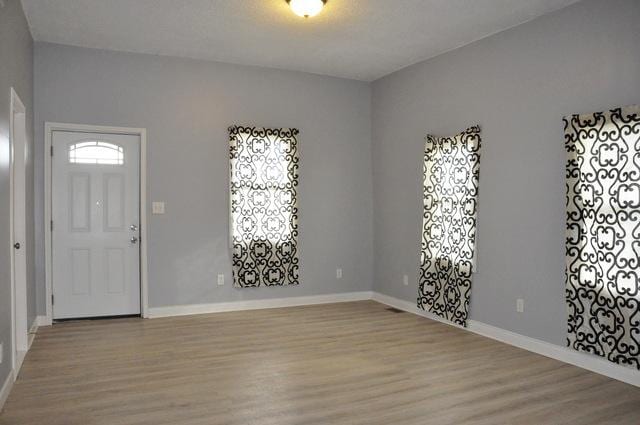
x=96 y=219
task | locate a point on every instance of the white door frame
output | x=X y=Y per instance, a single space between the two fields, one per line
x=49 y=128
x=19 y=326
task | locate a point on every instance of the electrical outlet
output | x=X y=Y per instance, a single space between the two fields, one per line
x=405 y=280
x=220 y=279
x=520 y=305
x=338 y=273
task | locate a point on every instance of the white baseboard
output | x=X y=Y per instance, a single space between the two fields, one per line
x=33 y=329
x=183 y=310
x=6 y=389
x=410 y=307
x=564 y=354
x=13 y=374
x=590 y=362
x=43 y=321
x=34 y=326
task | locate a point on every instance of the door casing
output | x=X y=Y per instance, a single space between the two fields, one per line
x=50 y=127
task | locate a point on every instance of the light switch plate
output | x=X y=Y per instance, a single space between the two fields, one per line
x=405 y=280
x=157 y=207
x=220 y=279
x=1 y=351
x=520 y=305
x=338 y=273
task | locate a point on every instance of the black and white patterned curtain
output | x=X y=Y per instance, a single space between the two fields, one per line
x=451 y=172
x=264 y=214
x=603 y=234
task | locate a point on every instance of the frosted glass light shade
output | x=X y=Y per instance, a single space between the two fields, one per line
x=306 y=8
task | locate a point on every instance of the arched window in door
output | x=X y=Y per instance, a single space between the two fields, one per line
x=96 y=152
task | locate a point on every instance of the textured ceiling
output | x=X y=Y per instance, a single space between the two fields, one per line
x=360 y=39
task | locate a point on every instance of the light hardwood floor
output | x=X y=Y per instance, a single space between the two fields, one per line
x=350 y=363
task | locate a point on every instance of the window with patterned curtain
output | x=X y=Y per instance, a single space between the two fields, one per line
x=263 y=206
x=451 y=172
x=603 y=234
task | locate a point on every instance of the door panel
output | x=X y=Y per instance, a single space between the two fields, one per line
x=114 y=202
x=79 y=186
x=95 y=210
x=115 y=258
x=80 y=260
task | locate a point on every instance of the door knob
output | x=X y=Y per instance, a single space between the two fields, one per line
x=134 y=240
x=133 y=227
x=16 y=245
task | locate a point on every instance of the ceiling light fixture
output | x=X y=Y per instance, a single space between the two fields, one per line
x=306 y=8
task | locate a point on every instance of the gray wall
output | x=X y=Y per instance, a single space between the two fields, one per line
x=517 y=85
x=186 y=107
x=16 y=70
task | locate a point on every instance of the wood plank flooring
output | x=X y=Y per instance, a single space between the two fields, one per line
x=348 y=363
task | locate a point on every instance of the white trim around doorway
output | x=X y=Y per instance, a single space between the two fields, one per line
x=17 y=172
x=49 y=128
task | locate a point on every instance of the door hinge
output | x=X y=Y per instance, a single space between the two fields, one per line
x=52 y=299
x=52 y=225
x=51 y=151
